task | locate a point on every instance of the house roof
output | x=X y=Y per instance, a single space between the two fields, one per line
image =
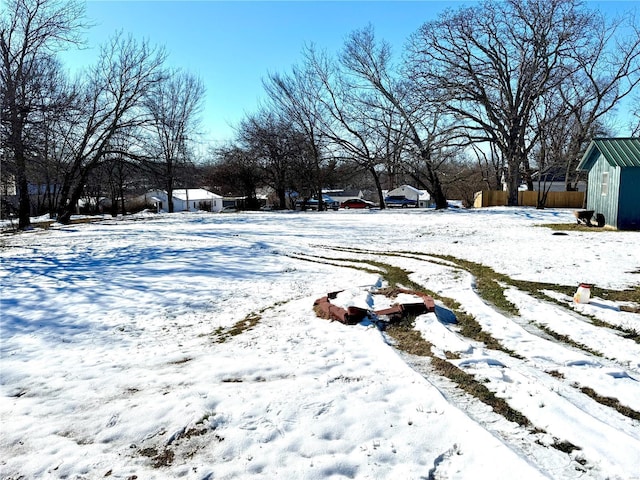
x=194 y=194
x=403 y=189
x=618 y=152
x=343 y=193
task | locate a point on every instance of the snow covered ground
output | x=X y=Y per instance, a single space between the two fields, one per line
x=186 y=346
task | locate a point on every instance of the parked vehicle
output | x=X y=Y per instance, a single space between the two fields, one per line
x=357 y=203
x=312 y=203
x=400 y=201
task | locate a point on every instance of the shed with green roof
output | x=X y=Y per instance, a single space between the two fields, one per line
x=614 y=181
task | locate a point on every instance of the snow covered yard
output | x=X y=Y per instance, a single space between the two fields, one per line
x=186 y=346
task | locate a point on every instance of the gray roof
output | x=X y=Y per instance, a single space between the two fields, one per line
x=620 y=152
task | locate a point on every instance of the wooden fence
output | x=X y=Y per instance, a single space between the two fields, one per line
x=493 y=198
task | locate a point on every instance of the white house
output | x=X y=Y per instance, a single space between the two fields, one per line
x=424 y=200
x=421 y=197
x=191 y=199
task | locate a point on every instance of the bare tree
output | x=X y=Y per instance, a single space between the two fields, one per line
x=47 y=162
x=464 y=177
x=370 y=60
x=110 y=102
x=490 y=64
x=635 y=117
x=174 y=105
x=297 y=97
x=31 y=31
x=118 y=172
x=489 y=163
x=608 y=71
x=237 y=172
x=277 y=146
x=362 y=124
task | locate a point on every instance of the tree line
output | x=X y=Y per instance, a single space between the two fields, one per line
x=66 y=137
x=492 y=93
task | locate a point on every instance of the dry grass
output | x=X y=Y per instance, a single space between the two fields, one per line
x=611 y=402
x=159 y=458
x=579 y=227
x=409 y=340
x=489 y=283
x=222 y=334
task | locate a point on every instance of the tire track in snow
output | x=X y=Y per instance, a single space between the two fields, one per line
x=573 y=406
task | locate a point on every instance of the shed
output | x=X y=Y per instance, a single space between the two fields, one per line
x=613 y=189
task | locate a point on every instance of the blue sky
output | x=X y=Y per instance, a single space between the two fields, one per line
x=233 y=45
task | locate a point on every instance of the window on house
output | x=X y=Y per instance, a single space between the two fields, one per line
x=604 y=189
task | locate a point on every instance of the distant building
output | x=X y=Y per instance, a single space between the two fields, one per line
x=613 y=189
x=420 y=198
x=342 y=195
x=555 y=180
x=191 y=199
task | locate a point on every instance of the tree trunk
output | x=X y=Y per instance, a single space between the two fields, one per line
x=24 y=202
x=64 y=215
x=122 y=202
x=71 y=193
x=376 y=179
x=440 y=198
x=513 y=182
x=436 y=190
x=24 y=205
x=282 y=198
x=170 y=198
x=527 y=174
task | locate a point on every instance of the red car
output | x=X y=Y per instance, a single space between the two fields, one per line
x=357 y=203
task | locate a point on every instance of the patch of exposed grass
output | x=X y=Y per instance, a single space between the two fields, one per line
x=536 y=289
x=222 y=334
x=630 y=295
x=162 y=458
x=565 y=446
x=627 y=333
x=408 y=339
x=568 y=340
x=612 y=403
x=470 y=385
x=489 y=283
x=574 y=227
x=247 y=323
x=397 y=277
x=181 y=361
x=627 y=308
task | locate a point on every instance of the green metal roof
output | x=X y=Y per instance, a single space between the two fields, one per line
x=620 y=152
